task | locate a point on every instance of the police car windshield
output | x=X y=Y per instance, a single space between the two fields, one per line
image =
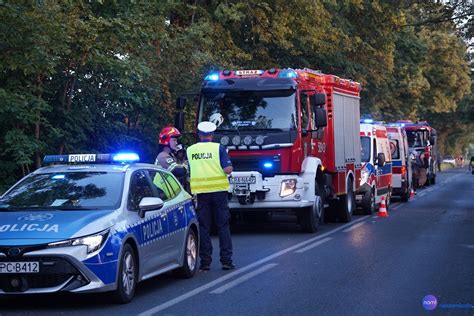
x=250 y=110
x=66 y=191
x=365 y=148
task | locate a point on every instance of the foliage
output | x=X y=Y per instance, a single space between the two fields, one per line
x=103 y=76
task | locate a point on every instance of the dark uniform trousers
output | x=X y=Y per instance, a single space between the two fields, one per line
x=214 y=205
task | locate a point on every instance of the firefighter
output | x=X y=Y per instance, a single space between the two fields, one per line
x=209 y=166
x=170 y=157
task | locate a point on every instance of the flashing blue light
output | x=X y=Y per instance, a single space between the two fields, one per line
x=368 y=121
x=58 y=176
x=213 y=76
x=91 y=158
x=268 y=165
x=287 y=73
x=125 y=157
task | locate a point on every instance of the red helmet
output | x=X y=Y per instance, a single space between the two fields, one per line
x=167 y=133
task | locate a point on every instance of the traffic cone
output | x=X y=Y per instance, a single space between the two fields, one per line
x=382 y=209
x=412 y=193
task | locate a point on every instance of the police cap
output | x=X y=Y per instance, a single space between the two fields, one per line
x=206 y=127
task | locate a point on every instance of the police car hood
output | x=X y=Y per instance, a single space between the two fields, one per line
x=39 y=227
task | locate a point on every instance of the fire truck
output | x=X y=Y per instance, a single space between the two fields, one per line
x=293 y=138
x=422 y=138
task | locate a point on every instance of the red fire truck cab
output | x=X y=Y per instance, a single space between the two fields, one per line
x=293 y=138
x=422 y=138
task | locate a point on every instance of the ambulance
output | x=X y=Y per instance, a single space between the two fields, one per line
x=401 y=164
x=376 y=174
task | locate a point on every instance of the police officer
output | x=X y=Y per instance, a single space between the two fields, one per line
x=209 y=166
x=167 y=159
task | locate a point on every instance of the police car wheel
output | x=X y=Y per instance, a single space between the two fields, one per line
x=127 y=276
x=190 y=256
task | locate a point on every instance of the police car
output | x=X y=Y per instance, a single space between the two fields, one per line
x=95 y=223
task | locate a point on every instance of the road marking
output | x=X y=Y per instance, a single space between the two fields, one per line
x=375 y=216
x=244 y=278
x=319 y=242
x=204 y=287
x=353 y=227
x=395 y=207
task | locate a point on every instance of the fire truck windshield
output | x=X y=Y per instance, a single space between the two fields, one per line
x=417 y=138
x=250 y=110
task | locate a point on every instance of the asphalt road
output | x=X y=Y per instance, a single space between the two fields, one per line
x=371 y=266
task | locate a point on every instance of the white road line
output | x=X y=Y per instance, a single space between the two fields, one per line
x=314 y=244
x=244 y=278
x=353 y=227
x=395 y=207
x=375 y=216
x=204 y=287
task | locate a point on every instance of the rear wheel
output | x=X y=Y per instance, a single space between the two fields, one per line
x=127 y=276
x=190 y=256
x=347 y=204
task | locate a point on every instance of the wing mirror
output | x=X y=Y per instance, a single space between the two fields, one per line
x=149 y=204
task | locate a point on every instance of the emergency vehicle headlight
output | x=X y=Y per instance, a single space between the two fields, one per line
x=248 y=140
x=287 y=187
x=236 y=140
x=225 y=140
x=259 y=140
x=364 y=176
x=213 y=76
x=93 y=242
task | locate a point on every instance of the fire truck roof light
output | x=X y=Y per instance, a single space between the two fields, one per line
x=213 y=76
x=287 y=73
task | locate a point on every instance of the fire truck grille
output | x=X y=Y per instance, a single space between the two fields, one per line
x=267 y=166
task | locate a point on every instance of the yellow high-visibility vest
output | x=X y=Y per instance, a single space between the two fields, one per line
x=206 y=171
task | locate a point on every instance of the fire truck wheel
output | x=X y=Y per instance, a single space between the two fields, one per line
x=368 y=202
x=347 y=204
x=310 y=216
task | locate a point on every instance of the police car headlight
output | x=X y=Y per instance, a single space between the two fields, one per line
x=93 y=242
x=287 y=187
x=364 y=176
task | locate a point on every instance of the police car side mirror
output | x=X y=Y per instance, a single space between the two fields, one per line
x=380 y=159
x=149 y=204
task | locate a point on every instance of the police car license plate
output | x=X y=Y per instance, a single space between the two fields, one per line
x=19 y=267
x=236 y=180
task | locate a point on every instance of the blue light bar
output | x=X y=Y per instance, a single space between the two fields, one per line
x=125 y=157
x=91 y=158
x=268 y=165
x=368 y=121
x=287 y=73
x=213 y=76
